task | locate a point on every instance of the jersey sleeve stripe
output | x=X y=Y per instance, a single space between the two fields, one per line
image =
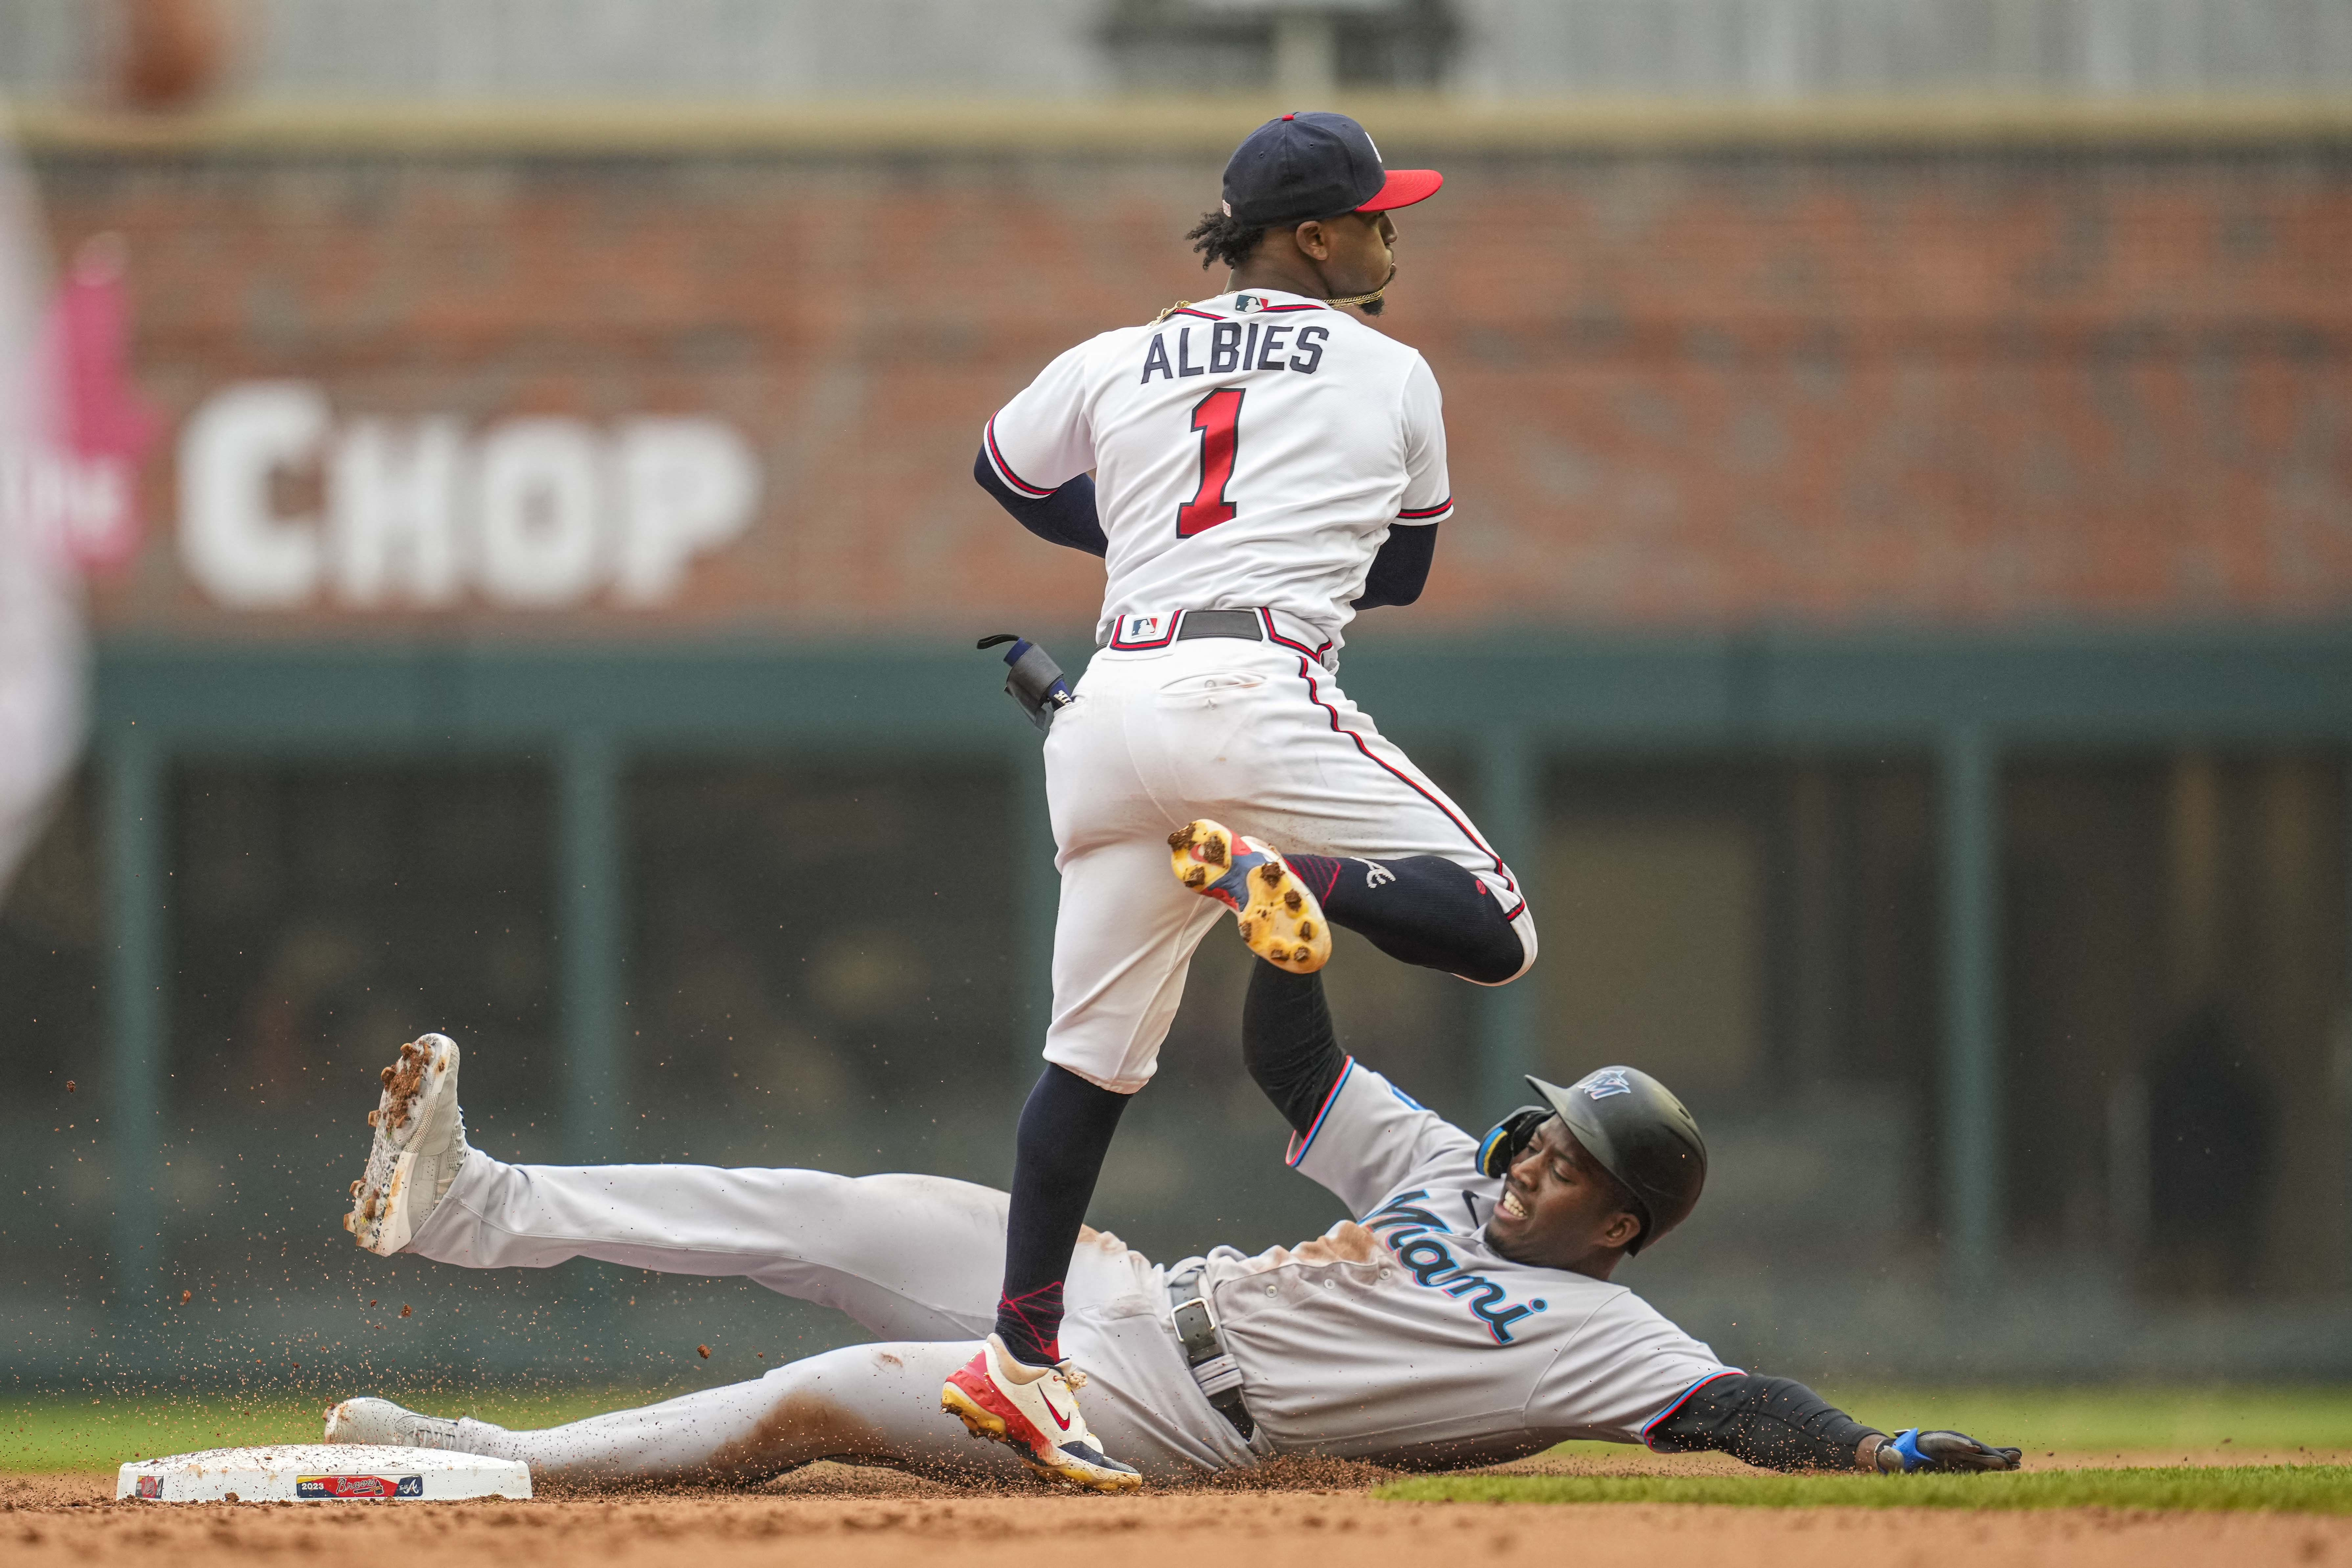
x=1642 y=1431
x=1314 y=695
x=1005 y=470
x=1299 y=1145
x=1417 y=514
x=1204 y=315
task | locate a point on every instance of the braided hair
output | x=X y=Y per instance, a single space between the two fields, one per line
x=1220 y=236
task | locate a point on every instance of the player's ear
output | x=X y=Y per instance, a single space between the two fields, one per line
x=1622 y=1227
x=1311 y=239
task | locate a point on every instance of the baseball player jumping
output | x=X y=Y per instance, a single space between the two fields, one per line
x=1253 y=469
x=1462 y=1316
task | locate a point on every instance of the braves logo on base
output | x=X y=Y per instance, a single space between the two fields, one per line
x=355 y=1488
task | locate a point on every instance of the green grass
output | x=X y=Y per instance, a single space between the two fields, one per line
x=2287 y=1488
x=76 y=1431
x=2116 y=1420
x=70 y=1432
x=2099 y=1422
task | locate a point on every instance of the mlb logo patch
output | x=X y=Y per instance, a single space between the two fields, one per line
x=151 y=1485
x=1245 y=304
x=1140 y=627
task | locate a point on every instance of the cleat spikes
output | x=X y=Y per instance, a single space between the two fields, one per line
x=419 y=1142
x=1278 y=917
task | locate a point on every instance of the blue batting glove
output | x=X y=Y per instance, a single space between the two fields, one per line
x=1932 y=1451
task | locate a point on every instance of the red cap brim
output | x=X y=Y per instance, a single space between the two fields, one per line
x=1405 y=187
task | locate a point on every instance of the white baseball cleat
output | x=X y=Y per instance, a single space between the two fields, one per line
x=383 y=1422
x=1279 y=918
x=1034 y=1409
x=420 y=1141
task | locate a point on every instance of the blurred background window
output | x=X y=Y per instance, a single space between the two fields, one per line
x=1761 y=934
x=2177 y=1013
x=826 y=948
x=53 y=949
x=751 y=50
x=1302 y=52
x=325 y=914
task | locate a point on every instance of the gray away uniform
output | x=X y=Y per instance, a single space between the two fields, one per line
x=1398 y=1337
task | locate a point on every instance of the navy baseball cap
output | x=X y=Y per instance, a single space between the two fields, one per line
x=1316 y=165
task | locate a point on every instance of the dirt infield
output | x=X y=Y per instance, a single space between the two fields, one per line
x=829 y=1514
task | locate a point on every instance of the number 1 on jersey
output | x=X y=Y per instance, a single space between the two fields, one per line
x=1215 y=416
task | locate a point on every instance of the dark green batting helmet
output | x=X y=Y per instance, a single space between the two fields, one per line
x=1632 y=1126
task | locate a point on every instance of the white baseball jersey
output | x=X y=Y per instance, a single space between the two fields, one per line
x=1253 y=449
x=1402 y=1336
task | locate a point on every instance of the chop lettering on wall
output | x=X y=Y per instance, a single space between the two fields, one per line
x=534 y=513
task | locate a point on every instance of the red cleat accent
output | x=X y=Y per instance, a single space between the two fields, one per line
x=972 y=1380
x=997 y=1398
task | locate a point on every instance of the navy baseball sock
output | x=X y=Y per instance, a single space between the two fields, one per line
x=1421 y=909
x=1066 y=1131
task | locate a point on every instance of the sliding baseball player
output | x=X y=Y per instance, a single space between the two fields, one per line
x=1463 y=1315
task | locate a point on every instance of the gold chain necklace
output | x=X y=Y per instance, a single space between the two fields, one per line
x=1347 y=300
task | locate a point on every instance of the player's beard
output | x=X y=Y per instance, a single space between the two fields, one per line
x=1371 y=304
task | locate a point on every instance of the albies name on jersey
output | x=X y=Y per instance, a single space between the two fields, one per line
x=1234 y=346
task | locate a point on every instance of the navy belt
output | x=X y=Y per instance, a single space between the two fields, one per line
x=1205 y=1346
x=1190 y=623
x=1242 y=624
x=1142 y=631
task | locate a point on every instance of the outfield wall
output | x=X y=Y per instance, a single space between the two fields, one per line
x=1692 y=381
x=1897 y=609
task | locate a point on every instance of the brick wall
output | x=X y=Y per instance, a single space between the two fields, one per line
x=1695 y=389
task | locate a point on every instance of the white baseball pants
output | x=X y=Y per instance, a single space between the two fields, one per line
x=914 y=1259
x=1251 y=735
